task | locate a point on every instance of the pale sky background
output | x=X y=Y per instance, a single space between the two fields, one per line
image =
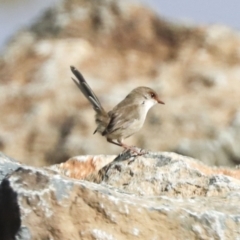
x=15 y=14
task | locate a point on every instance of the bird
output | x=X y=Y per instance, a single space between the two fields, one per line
x=126 y=118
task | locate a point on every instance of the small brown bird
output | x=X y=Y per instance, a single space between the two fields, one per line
x=126 y=118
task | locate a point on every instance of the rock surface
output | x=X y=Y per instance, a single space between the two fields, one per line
x=155 y=196
x=195 y=69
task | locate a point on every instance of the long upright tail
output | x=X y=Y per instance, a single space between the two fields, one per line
x=102 y=117
x=86 y=90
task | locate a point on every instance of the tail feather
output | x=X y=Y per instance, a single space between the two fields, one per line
x=86 y=90
x=102 y=118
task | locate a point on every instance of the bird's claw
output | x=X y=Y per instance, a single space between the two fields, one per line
x=130 y=153
x=136 y=151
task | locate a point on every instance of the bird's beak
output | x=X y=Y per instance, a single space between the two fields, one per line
x=160 y=101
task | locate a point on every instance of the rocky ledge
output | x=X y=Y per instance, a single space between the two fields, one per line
x=155 y=196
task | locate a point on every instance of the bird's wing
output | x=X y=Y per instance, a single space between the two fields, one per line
x=119 y=119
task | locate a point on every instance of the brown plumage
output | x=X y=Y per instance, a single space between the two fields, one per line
x=126 y=118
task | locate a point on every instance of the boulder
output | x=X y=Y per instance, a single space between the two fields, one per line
x=158 y=195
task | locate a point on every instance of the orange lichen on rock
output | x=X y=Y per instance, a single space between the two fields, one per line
x=80 y=167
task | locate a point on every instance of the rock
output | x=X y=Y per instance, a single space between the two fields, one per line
x=7 y=165
x=82 y=167
x=154 y=196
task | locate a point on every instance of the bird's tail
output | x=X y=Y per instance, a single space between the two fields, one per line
x=101 y=118
x=86 y=90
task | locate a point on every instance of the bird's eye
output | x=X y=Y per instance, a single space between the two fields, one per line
x=152 y=95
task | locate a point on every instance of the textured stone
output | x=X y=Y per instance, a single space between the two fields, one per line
x=155 y=196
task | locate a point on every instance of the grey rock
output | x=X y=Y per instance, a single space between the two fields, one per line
x=154 y=196
x=7 y=165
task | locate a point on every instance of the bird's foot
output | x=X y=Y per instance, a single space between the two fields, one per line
x=129 y=153
x=135 y=150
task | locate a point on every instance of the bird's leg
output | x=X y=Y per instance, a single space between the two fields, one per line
x=131 y=148
x=126 y=147
x=111 y=141
x=121 y=144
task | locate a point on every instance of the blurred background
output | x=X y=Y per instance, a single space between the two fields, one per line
x=187 y=51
